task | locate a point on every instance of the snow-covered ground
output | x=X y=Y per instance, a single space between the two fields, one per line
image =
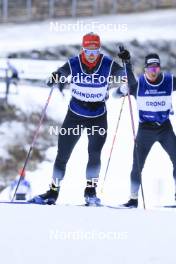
x=153 y=25
x=61 y=234
x=36 y=234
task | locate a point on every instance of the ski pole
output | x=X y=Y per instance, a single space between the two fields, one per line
x=33 y=141
x=121 y=48
x=113 y=142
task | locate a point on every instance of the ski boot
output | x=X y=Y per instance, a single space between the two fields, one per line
x=90 y=196
x=49 y=197
x=132 y=203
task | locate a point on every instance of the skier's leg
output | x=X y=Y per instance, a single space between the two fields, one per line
x=96 y=140
x=66 y=143
x=168 y=142
x=144 y=141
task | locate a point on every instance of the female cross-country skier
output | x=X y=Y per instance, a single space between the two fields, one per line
x=87 y=109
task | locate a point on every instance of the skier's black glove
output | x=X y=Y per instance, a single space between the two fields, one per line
x=124 y=55
x=53 y=79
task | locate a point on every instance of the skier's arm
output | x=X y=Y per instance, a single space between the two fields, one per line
x=125 y=56
x=62 y=72
x=174 y=83
x=123 y=90
x=117 y=70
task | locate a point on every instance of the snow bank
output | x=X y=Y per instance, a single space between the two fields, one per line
x=151 y=25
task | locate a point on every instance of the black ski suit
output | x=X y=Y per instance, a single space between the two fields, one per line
x=148 y=133
x=73 y=119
